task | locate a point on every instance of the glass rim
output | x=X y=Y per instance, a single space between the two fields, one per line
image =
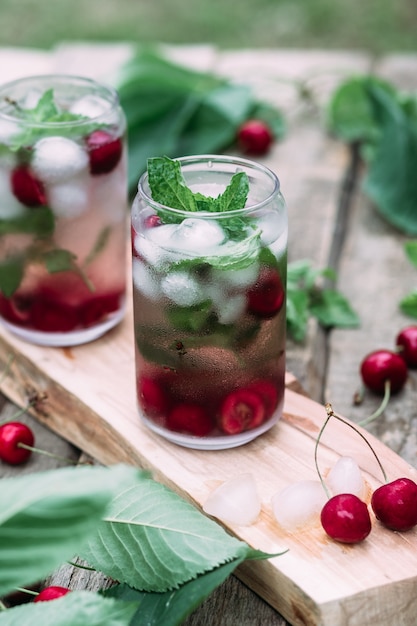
x=107 y=91
x=219 y=158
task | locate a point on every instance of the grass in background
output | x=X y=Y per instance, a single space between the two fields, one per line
x=377 y=26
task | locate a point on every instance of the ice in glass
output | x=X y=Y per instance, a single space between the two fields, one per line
x=63 y=208
x=209 y=243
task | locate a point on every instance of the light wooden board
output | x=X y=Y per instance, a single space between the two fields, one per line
x=86 y=394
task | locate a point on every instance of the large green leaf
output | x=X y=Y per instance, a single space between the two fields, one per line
x=170 y=608
x=46 y=516
x=153 y=540
x=391 y=181
x=78 y=608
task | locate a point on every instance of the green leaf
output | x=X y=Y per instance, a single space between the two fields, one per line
x=78 y=608
x=165 y=540
x=170 y=608
x=59 y=260
x=391 y=181
x=297 y=313
x=44 y=517
x=408 y=305
x=410 y=249
x=331 y=308
x=11 y=274
x=167 y=184
x=39 y=221
x=350 y=114
x=235 y=195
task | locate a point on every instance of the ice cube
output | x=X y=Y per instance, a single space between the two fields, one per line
x=196 y=236
x=144 y=280
x=90 y=106
x=153 y=246
x=298 y=504
x=346 y=477
x=58 y=159
x=240 y=278
x=10 y=207
x=69 y=199
x=230 y=309
x=272 y=224
x=183 y=288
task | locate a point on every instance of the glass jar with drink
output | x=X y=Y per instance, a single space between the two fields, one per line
x=209 y=241
x=63 y=201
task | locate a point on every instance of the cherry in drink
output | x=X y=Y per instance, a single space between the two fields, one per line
x=209 y=242
x=63 y=206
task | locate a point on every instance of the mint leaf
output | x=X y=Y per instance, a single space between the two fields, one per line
x=332 y=309
x=168 y=186
x=59 y=260
x=45 y=109
x=39 y=222
x=408 y=305
x=11 y=274
x=305 y=298
x=235 y=195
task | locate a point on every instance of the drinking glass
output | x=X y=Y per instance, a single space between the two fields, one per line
x=63 y=209
x=209 y=296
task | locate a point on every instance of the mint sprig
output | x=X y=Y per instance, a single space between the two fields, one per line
x=168 y=187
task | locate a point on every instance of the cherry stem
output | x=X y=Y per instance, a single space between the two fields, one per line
x=327 y=492
x=330 y=413
x=86 y=567
x=28 y=591
x=382 y=406
x=46 y=453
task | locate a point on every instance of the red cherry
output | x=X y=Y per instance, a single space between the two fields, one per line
x=380 y=366
x=15 y=309
x=345 y=518
x=11 y=435
x=241 y=410
x=268 y=392
x=407 y=343
x=152 y=221
x=152 y=396
x=51 y=593
x=255 y=137
x=266 y=297
x=26 y=187
x=48 y=314
x=395 y=504
x=104 y=151
x=190 y=418
x=98 y=306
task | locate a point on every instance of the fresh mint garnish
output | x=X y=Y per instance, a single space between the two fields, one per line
x=46 y=111
x=169 y=188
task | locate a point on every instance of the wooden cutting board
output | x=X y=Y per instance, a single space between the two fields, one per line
x=87 y=395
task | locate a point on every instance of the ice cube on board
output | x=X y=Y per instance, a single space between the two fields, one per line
x=298 y=504
x=346 y=477
x=58 y=159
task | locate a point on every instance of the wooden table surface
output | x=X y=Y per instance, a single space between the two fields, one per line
x=331 y=223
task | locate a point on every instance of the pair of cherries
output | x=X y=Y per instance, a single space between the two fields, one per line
x=345 y=517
